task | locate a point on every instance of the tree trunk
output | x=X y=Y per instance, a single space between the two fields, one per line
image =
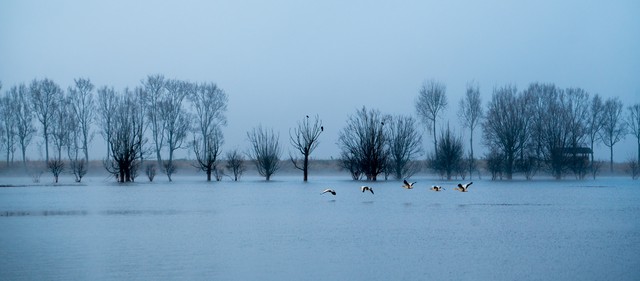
x=305 y=167
x=471 y=156
x=208 y=174
x=611 y=158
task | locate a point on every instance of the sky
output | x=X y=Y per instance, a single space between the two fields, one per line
x=281 y=60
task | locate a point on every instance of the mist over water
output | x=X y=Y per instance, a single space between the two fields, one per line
x=285 y=229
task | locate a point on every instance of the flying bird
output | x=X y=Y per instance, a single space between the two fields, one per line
x=463 y=187
x=365 y=188
x=437 y=188
x=408 y=185
x=333 y=192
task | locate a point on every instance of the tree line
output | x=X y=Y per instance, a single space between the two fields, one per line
x=542 y=127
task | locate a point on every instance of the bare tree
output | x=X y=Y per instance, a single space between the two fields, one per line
x=207 y=149
x=448 y=160
x=175 y=119
x=121 y=127
x=364 y=143
x=154 y=93
x=210 y=104
x=614 y=127
x=8 y=125
x=235 y=163
x=74 y=134
x=24 y=128
x=56 y=167
x=265 y=150
x=305 y=139
x=61 y=126
x=83 y=109
x=505 y=126
x=595 y=121
x=431 y=101
x=633 y=123
x=405 y=144
x=45 y=95
x=470 y=113
x=107 y=104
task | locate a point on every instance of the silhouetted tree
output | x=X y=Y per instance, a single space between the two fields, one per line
x=431 y=101
x=614 y=127
x=83 y=109
x=405 y=143
x=595 y=121
x=122 y=126
x=365 y=142
x=633 y=123
x=8 y=125
x=45 y=96
x=24 y=129
x=175 y=119
x=154 y=89
x=235 y=163
x=210 y=103
x=265 y=150
x=448 y=160
x=305 y=139
x=470 y=113
x=207 y=150
x=505 y=125
x=495 y=163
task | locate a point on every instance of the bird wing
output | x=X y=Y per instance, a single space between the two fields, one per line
x=468 y=184
x=405 y=182
x=371 y=191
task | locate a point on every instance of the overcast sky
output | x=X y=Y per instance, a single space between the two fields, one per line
x=281 y=60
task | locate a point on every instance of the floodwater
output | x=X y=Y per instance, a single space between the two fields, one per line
x=287 y=230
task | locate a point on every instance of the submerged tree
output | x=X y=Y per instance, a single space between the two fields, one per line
x=208 y=150
x=83 y=109
x=404 y=146
x=235 y=163
x=364 y=142
x=265 y=150
x=431 y=101
x=122 y=125
x=305 y=139
x=595 y=121
x=448 y=160
x=154 y=89
x=506 y=126
x=24 y=128
x=8 y=126
x=210 y=104
x=45 y=96
x=470 y=113
x=613 y=128
x=633 y=123
x=175 y=119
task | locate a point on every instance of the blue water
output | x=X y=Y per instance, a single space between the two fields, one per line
x=286 y=230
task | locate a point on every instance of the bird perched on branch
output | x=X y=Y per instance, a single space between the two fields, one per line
x=366 y=188
x=463 y=187
x=408 y=185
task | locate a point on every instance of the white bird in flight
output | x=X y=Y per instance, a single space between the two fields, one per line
x=463 y=187
x=437 y=188
x=329 y=190
x=365 y=188
x=408 y=185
